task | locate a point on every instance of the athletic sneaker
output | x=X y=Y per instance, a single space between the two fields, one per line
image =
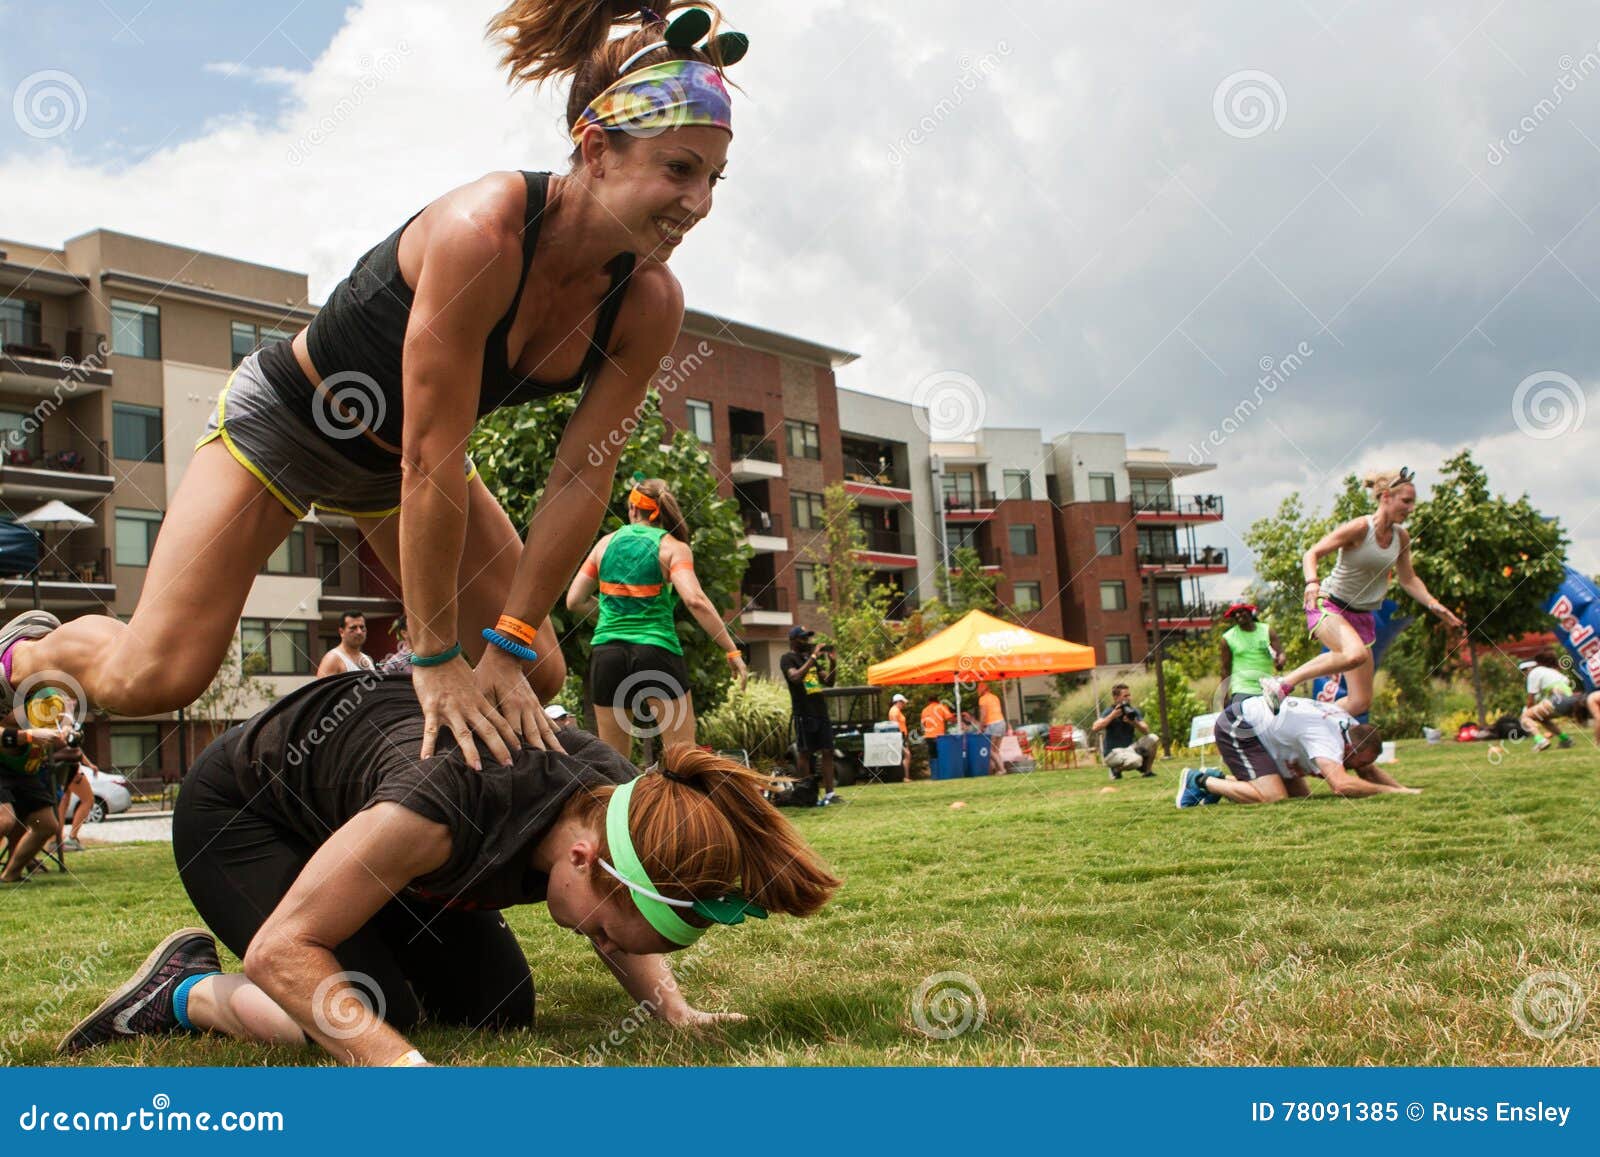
x=28 y=625
x=831 y=797
x=1565 y=742
x=143 y=1006
x=72 y=845
x=1542 y=745
x=1190 y=793
x=1274 y=691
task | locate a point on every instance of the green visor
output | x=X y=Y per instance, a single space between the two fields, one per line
x=659 y=910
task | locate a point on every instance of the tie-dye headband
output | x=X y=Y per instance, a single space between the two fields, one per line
x=671 y=95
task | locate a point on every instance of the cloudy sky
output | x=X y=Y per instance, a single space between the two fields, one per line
x=1109 y=216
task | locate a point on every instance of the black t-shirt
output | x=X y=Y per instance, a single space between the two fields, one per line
x=1120 y=733
x=805 y=702
x=339 y=745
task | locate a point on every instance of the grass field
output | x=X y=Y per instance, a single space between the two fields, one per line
x=1102 y=928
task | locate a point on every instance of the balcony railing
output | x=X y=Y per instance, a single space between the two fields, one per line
x=879 y=473
x=978 y=500
x=762 y=522
x=889 y=542
x=770 y=598
x=62 y=460
x=987 y=556
x=754 y=446
x=20 y=339
x=1191 y=610
x=1209 y=558
x=1185 y=506
x=60 y=563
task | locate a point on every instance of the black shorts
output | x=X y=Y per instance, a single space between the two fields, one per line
x=27 y=794
x=813 y=733
x=623 y=675
x=449 y=965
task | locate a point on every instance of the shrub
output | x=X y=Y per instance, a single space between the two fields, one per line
x=755 y=720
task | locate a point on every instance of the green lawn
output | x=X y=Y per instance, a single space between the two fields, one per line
x=1103 y=927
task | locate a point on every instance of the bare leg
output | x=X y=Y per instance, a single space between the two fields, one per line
x=488 y=565
x=218 y=533
x=827 y=769
x=1358 y=684
x=231 y=1004
x=40 y=826
x=81 y=789
x=1346 y=652
x=677 y=720
x=613 y=730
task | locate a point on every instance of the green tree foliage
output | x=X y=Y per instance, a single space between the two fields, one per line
x=754 y=720
x=514 y=448
x=1182 y=704
x=858 y=610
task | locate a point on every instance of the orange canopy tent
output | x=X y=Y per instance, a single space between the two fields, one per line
x=978 y=647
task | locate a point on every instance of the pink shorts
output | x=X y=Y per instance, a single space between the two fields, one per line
x=1366 y=626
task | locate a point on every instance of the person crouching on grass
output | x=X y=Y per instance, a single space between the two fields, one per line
x=1543 y=718
x=360 y=884
x=1270 y=755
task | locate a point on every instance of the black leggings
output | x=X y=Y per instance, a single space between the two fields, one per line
x=446 y=965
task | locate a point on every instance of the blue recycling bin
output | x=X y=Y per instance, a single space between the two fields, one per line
x=952 y=761
x=978 y=754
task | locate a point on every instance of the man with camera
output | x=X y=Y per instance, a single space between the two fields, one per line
x=1119 y=749
x=807 y=669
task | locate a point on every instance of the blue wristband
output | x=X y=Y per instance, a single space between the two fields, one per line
x=439 y=660
x=510 y=646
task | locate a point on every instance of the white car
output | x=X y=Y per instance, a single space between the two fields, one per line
x=112 y=793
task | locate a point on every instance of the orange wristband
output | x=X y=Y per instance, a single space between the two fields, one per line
x=516 y=628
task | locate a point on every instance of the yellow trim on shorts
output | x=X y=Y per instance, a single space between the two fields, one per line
x=222 y=432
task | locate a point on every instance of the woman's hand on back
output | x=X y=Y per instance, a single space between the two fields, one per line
x=451 y=698
x=501 y=681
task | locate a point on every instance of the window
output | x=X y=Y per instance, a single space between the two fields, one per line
x=247 y=338
x=19 y=323
x=290 y=557
x=1113 y=597
x=329 y=552
x=700 y=420
x=1036 y=708
x=1107 y=541
x=1102 y=488
x=136 y=536
x=135 y=329
x=136 y=432
x=961 y=490
x=806 y=511
x=283 y=647
x=1119 y=649
x=135 y=748
x=1019 y=484
x=803 y=439
x=1024 y=539
x=805 y=581
x=960 y=538
x=19 y=437
x=1025 y=597
x=1151 y=493
x=1169 y=597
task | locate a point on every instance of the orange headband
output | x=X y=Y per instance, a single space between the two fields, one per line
x=644 y=502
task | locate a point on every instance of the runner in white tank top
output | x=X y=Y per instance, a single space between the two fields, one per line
x=352 y=634
x=1339 y=614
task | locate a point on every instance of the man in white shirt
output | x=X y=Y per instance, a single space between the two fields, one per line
x=1271 y=755
x=1546 y=684
x=348 y=655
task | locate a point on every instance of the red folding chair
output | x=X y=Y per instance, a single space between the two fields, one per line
x=1063 y=738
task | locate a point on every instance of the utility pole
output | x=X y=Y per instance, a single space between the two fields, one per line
x=937 y=466
x=1161 y=670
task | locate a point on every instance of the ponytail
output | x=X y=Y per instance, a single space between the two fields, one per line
x=668 y=515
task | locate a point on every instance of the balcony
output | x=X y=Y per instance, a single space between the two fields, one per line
x=75 y=580
x=972 y=506
x=767 y=607
x=755 y=458
x=1174 y=616
x=887 y=549
x=1188 y=508
x=47 y=362
x=988 y=557
x=875 y=479
x=764 y=532
x=32 y=474
x=1207 y=560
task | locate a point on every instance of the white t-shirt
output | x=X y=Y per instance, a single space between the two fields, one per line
x=363 y=664
x=1543 y=682
x=1303 y=730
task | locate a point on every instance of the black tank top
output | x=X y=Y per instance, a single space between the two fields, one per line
x=362 y=329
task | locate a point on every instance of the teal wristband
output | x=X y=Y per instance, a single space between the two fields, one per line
x=439 y=660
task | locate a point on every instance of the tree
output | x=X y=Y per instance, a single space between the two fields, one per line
x=1489 y=559
x=1182 y=706
x=236 y=692
x=514 y=448
x=858 y=610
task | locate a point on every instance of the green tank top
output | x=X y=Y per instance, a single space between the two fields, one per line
x=636 y=600
x=1252 y=655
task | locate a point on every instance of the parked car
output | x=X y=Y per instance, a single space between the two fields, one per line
x=112 y=794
